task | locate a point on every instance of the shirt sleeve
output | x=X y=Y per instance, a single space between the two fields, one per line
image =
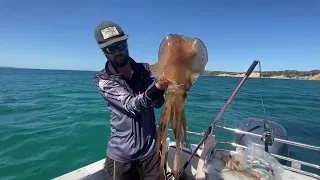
x=117 y=95
x=157 y=103
x=156 y=96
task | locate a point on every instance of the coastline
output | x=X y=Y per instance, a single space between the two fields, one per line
x=257 y=75
x=286 y=74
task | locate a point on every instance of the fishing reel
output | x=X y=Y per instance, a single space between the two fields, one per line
x=267 y=137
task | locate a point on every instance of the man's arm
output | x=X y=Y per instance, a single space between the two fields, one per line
x=118 y=96
x=158 y=98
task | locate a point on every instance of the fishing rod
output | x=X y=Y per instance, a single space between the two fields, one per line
x=209 y=130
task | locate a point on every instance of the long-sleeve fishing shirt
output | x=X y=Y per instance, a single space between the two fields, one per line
x=132 y=118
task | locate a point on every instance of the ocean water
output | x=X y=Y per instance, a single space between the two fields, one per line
x=54 y=121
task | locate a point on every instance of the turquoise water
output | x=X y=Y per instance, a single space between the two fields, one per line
x=52 y=122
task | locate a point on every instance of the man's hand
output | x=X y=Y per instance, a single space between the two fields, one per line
x=162 y=84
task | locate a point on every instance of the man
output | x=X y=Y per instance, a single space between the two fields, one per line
x=131 y=93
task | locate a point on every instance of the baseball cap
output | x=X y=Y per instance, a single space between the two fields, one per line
x=108 y=32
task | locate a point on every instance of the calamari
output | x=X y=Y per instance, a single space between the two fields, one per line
x=181 y=60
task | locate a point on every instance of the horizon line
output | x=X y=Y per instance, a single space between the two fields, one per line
x=101 y=69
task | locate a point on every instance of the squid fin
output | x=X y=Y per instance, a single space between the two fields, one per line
x=155 y=70
x=194 y=76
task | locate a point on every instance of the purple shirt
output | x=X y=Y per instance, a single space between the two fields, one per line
x=132 y=118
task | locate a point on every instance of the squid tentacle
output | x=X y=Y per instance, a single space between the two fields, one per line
x=178 y=140
x=163 y=124
x=184 y=128
x=172 y=113
x=166 y=116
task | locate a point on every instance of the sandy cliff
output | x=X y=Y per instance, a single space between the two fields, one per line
x=257 y=75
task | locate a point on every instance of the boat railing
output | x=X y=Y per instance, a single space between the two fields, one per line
x=295 y=164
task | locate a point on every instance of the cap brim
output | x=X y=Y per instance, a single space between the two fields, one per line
x=103 y=45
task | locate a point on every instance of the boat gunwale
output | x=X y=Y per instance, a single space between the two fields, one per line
x=90 y=170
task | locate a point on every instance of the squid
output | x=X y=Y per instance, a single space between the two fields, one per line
x=181 y=60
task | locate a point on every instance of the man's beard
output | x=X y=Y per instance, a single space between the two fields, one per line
x=120 y=61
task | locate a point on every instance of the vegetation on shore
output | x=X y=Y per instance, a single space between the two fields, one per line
x=286 y=74
x=6 y=67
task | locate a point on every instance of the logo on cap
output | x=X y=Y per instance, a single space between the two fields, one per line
x=109 y=32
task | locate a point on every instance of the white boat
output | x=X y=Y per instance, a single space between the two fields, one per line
x=247 y=132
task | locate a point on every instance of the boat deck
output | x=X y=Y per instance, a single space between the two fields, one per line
x=95 y=170
x=225 y=174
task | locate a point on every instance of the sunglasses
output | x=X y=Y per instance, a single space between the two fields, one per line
x=112 y=49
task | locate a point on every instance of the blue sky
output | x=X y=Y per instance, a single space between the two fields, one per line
x=59 y=34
